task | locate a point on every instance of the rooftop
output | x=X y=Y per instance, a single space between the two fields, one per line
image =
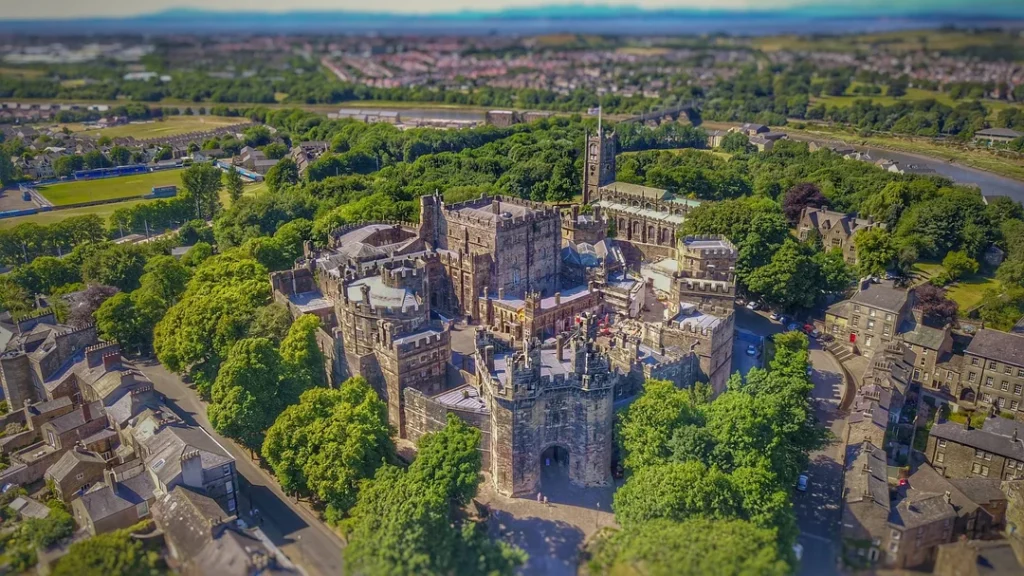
x=309 y=301
x=382 y=295
x=465 y=398
x=882 y=295
x=487 y=212
x=690 y=317
x=648 y=213
x=997 y=435
x=999 y=346
x=646 y=192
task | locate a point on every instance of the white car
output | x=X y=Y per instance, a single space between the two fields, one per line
x=801 y=483
x=752 y=305
x=753 y=351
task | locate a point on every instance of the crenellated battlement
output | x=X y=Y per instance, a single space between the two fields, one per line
x=713 y=287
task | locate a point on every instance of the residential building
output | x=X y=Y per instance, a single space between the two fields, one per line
x=994 y=370
x=202 y=539
x=995 y=450
x=992 y=136
x=871 y=318
x=76 y=471
x=122 y=500
x=835 y=229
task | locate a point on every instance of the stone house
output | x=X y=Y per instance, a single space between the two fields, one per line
x=871 y=318
x=835 y=229
x=122 y=500
x=992 y=451
x=994 y=371
x=76 y=470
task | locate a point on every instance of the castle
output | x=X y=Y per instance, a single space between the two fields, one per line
x=573 y=311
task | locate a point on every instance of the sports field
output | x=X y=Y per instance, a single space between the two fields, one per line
x=170 y=126
x=108 y=188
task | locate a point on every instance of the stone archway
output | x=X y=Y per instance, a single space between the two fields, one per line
x=554 y=469
x=967 y=395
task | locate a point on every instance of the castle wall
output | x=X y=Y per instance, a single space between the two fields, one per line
x=423 y=415
x=420 y=364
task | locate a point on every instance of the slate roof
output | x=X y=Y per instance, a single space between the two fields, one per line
x=870 y=482
x=232 y=555
x=989 y=557
x=882 y=295
x=920 y=511
x=131 y=404
x=999 y=346
x=921 y=335
x=188 y=518
x=1004 y=132
x=70 y=460
x=995 y=436
x=166 y=448
x=104 y=500
x=49 y=406
x=76 y=418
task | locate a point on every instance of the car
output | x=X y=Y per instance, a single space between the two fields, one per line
x=753 y=305
x=783 y=319
x=775 y=316
x=752 y=351
x=793 y=327
x=798 y=551
x=741 y=301
x=808 y=328
x=810 y=370
x=801 y=483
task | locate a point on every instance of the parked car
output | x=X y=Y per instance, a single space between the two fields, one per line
x=752 y=305
x=801 y=483
x=741 y=302
x=753 y=351
x=784 y=319
x=775 y=316
x=808 y=328
x=793 y=326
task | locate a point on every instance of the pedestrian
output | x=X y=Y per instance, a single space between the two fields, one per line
x=546 y=501
x=538 y=496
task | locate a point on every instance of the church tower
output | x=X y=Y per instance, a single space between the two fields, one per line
x=599 y=162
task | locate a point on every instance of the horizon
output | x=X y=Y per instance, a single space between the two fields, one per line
x=399 y=9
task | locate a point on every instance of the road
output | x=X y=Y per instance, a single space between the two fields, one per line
x=293 y=528
x=818 y=509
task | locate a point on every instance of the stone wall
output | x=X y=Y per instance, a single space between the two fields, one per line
x=423 y=415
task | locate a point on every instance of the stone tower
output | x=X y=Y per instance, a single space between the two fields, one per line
x=599 y=162
x=549 y=405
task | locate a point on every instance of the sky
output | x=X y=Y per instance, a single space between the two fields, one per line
x=67 y=9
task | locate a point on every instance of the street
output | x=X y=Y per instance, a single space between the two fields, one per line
x=298 y=532
x=818 y=509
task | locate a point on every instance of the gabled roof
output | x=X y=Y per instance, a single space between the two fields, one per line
x=188 y=519
x=167 y=447
x=997 y=435
x=70 y=461
x=999 y=346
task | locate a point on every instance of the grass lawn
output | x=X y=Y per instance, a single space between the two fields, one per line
x=108 y=188
x=170 y=126
x=897 y=42
x=20 y=72
x=46 y=218
x=970 y=290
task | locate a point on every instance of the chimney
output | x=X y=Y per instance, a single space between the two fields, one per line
x=112 y=361
x=1014 y=434
x=947 y=496
x=191 y=468
x=558 y=298
x=560 y=348
x=489 y=358
x=366 y=293
x=86 y=412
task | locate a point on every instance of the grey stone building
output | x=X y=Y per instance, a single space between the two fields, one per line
x=993 y=371
x=995 y=450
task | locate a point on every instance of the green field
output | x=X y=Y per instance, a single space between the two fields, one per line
x=967 y=292
x=994 y=106
x=892 y=42
x=170 y=126
x=45 y=218
x=108 y=188
x=105 y=210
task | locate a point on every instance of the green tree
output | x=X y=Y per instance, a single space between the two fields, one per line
x=246 y=396
x=282 y=174
x=676 y=491
x=956 y=264
x=696 y=547
x=120 y=156
x=111 y=553
x=329 y=442
x=790 y=281
x=647 y=425
x=8 y=174
x=303 y=360
x=875 y=251
x=233 y=182
x=202 y=184
x=119 y=265
x=271 y=321
x=117 y=320
x=165 y=277
x=735 y=142
x=450 y=460
x=65 y=166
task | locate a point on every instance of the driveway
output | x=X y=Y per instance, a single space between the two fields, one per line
x=293 y=528
x=818 y=509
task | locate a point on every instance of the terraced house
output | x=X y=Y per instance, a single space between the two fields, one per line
x=993 y=371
